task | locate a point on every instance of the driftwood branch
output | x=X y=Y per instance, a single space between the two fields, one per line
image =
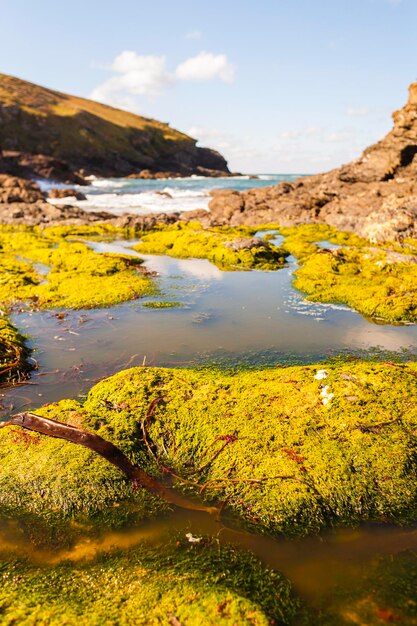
x=53 y=428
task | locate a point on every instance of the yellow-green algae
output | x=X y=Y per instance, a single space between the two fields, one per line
x=12 y=353
x=175 y=583
x=288 y=452
x=386 y=593
x=191 y=240
x=46 y=482
x=162 y=305
x=378 y=281
x=78 y=277
x=48 y=269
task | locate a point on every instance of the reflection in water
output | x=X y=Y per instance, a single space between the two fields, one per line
x=234 y=317
x=313 y=564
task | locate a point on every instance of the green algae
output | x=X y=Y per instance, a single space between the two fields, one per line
x=372 y=280
x=190 y=240
x=78 y=277
x=365 y=281
x=289 y=462
x=13 y=353
x=162 y=305
x=289 y=453
x=177 y=583
x=386 y=593
x=44 y=482
x=301 y=241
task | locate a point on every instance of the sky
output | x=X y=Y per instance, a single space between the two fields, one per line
x=277 y=86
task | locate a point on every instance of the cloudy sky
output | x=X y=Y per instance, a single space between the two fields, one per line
x=276 y=85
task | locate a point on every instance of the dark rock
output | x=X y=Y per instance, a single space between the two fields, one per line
x=26 y=165
x=67 y=193
x=42 y=213
x=246 y=243
x=148 y=175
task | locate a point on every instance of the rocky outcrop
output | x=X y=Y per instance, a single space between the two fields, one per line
x=374 y=196
x=16 y=190
x=41 y=213
x=64 y=137
x=58 y=194
x=37 y=166
x=22 y=202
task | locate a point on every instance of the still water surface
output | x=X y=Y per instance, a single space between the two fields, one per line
x=231 y=318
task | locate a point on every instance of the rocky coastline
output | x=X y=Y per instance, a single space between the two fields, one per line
x=49 y=134
x=375 y=196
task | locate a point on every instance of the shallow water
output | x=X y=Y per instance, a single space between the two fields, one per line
x=232 y=318
x=315 y=565
x=254 y=318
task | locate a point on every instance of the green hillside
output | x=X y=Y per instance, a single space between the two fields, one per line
x=93 y=136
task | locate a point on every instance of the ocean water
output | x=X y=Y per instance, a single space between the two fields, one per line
x=124 y=195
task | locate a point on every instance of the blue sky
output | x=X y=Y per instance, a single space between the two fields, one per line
x=275 y=85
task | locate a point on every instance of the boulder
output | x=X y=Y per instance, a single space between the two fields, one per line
x=67 y=193
x=14 y=189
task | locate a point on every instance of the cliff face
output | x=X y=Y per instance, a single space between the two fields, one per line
x=375 y=195
x=77 y=134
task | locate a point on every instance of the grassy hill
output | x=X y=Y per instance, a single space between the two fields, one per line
x=89 y=135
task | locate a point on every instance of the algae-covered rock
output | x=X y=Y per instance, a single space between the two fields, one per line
x=289 y=449
x=379 y=281
x=48 y=481
x=178 y=583
x=12 y=353
x=71 y=274
x=228 y=248
x=162 y=304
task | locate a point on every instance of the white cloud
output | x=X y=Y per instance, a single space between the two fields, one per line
x=193 y=34
x=135 y=75
x=206 y=66
x=358 y=111
x=148 y=75
x=310 y=149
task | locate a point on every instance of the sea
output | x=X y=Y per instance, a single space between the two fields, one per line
x=125 y=195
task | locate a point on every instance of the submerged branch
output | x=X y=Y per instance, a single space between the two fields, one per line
x=108 y=451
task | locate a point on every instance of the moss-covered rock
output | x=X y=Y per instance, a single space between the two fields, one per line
x=379 y=281
x=161 y=304
x=287 y=450
x=290 y=449
x=46 y=482
x=178 y=583
x=228 y=248
x=71 y=275
x=12 y=353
